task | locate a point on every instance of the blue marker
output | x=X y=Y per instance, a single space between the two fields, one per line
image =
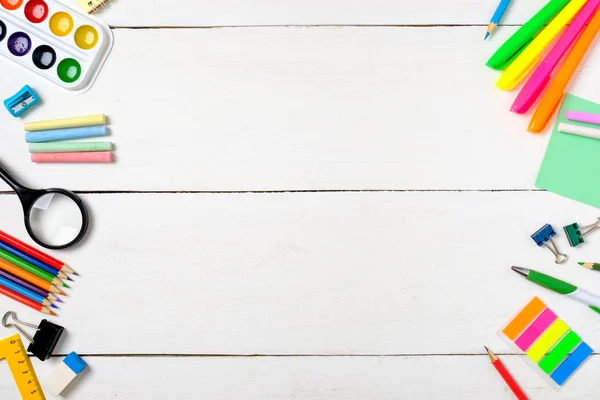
x=497 y=17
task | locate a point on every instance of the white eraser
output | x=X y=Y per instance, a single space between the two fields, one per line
x=64 y=374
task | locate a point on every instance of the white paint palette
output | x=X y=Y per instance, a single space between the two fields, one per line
x=54 y=41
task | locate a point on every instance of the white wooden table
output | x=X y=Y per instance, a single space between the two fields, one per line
x=313 y=199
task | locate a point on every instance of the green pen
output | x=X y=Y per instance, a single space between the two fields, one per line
x=560 y=287
x=521 y=38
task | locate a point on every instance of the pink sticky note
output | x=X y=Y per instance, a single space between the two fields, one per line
x=538 y=327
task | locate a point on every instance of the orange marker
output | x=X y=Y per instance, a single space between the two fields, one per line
x=556 y=91
x=34 y=280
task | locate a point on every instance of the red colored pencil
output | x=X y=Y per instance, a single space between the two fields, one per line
x=512 y=384
x=33 y=252
x=22 y=299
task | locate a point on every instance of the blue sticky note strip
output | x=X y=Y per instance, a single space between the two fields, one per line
x=571 y=363
x=75 y=363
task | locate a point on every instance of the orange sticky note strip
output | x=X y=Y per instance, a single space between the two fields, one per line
x=524 y=318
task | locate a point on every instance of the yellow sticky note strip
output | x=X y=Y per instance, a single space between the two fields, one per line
x=547 y=340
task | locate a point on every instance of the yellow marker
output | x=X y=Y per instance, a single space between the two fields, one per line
x=528 y=59
x=20 y=366
x=77 y=122
x=547 y=340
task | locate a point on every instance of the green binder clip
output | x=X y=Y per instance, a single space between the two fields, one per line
x=576 y=234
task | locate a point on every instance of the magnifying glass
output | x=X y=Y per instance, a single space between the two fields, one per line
x=54 y=218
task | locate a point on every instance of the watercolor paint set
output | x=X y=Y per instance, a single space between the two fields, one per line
x=551 y=347
x=54 y=41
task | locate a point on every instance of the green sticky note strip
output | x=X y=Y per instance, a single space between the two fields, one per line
x=559 y=352
x=570 y=167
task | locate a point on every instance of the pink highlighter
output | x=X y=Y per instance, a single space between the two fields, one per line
x=540 y=78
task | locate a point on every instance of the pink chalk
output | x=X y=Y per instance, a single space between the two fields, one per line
x=535 y=329
x=80 y=157
x=583 y=117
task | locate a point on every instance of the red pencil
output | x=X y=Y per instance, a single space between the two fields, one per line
x=35 y=253
x=512 y=384
x=22 y=299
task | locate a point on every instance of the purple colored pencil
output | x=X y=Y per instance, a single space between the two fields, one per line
x=25 y=284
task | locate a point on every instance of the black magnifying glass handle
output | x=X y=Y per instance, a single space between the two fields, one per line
x=25 y=194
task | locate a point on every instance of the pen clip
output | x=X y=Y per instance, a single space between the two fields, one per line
x=549 y=117
x=516 y=54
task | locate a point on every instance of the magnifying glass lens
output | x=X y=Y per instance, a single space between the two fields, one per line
x=55 y=219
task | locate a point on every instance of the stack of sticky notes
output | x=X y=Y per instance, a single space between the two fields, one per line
x=52 y=141
x=544 y=54
x=552 y=348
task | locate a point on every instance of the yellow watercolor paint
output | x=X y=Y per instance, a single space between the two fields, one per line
x=86 y=37
x=61 y=23
x=547 y=340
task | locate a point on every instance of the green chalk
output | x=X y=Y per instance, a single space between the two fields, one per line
x=68 y=147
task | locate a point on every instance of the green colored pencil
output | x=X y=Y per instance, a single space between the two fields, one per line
x=32 y=269
x=592 y=266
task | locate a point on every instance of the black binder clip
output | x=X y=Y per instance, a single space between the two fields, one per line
x=45 y=339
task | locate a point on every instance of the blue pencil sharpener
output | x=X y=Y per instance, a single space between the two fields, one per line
x=22 y=101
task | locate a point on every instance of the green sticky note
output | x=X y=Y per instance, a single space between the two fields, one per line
x=570 y=167
x=559 y=352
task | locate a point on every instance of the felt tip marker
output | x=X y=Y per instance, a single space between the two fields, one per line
x=560 y=287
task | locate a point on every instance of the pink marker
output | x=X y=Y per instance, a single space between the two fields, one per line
x=583 y=117
x=83 y=157
x=540 y=78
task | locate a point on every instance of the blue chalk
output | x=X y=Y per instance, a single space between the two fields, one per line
x=75 y=363
x=66 y=134
x=571 y=363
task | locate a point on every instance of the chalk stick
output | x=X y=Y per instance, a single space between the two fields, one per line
x=84 y=157
x=583 y=117
x=69 y=147
x=76 y=122
x=65 y=134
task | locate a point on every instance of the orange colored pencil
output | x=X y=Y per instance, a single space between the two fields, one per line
x=22 y=299
x=34 y=280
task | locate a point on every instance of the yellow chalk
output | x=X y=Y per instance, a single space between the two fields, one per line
x=76 y=122
x=547 y=340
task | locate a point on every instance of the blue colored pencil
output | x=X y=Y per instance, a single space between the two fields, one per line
x=497 y=17
x=26 y=257
x=25 y=292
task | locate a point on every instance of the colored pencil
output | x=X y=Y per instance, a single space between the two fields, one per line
x=31 y=262
x=32 y=269
x=512 y=384
x=25 y=300
x=592 y=266
x=28 y=285
x=25 y=292
x=43 y=257
x=497 y=17
x=39 y=282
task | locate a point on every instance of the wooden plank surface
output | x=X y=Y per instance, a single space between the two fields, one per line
x=309 y=378
x=311 y=273
x=310 y=12
x=295 y=109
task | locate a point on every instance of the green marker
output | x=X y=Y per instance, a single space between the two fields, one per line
x=521 y=38
x=561 y=287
